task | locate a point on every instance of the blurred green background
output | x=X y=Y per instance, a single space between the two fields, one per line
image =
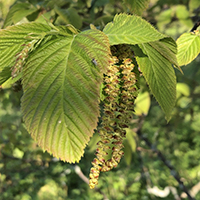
x=26 y=172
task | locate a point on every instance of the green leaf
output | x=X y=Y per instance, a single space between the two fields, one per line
x=136 y=6
x=160 y=77
x=129 y=145
x=127 y=152
x=182 y=12
x=61 y=86
x=193 y=5
x=103 y=20
x=182 y=89
x=131 y=29
x=69 y=16
x=170 y=44
x=12 y=38
x=188 y=48
x=5 y=74
x=17 y=12
x=165 y=51
x=142 y=104
x=10 y=81
x=131 y=138
x=167 y=48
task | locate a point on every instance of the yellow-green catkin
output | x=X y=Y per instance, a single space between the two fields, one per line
x=111 y=91
x=120 y=93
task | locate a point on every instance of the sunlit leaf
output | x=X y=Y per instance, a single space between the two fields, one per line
x=131 y=29
x=142 y=104
x=61 y=87
x=182 y=89
x=188 y=48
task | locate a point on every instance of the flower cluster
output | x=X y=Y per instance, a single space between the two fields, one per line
x=120 y=93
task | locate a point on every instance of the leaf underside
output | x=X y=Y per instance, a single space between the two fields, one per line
x=61 y=86
x=165 y=50
x=160 y=77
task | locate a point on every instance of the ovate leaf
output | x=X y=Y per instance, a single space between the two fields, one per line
x=61 y=86
x=160 y=77
x=131 y=29
x=188 y=48
x=136 y=6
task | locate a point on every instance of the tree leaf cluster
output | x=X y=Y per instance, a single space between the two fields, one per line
x=61 y=95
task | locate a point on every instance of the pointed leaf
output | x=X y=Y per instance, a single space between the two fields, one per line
x=160 y=76
x=131 y=29
x=61 y=86
x=188 y=48
x=136 y=6
x=10 y=81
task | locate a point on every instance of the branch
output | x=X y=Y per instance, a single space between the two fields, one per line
x=174 y=173
x=196 y=25
x=162 y=193
x=194 y=190
x=80 y=174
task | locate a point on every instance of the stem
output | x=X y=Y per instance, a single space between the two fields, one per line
x=174 y=173
x=196 y=25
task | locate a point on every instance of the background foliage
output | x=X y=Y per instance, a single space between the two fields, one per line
x=28 y=173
